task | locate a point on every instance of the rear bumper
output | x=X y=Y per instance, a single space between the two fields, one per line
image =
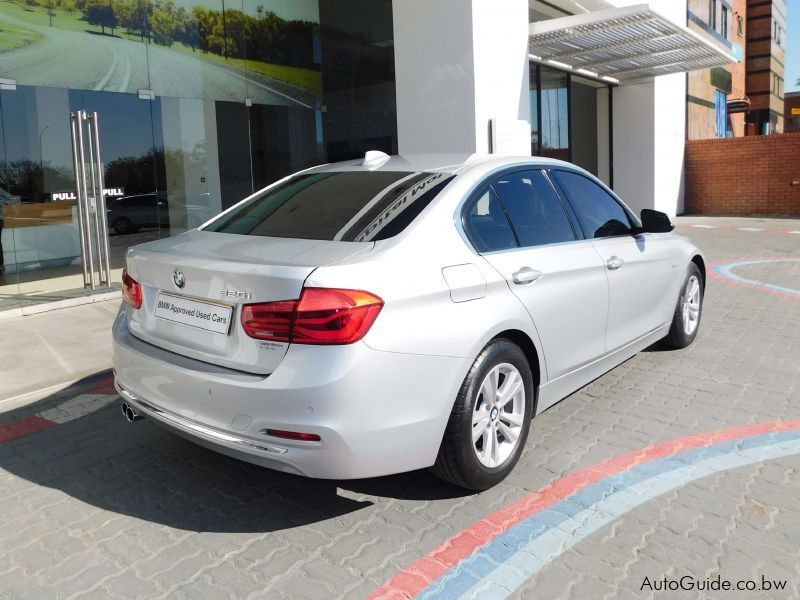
x=376 y=412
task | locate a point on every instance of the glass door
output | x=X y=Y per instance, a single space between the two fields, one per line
x=45 y=245
x=135 y=201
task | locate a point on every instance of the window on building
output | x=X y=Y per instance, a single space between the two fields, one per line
x=777 y=85
x=724 y=23
x=565 y=112
x=777 y=32
x=712 y=14
x=554 y=94
x=721 y=112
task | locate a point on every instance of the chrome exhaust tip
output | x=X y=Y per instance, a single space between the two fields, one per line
x=130 y=413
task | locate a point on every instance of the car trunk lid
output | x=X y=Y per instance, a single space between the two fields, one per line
x=195 y=284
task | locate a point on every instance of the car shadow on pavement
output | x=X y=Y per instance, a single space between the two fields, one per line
x=144 y=471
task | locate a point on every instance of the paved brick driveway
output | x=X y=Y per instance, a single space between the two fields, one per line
x=94 y=507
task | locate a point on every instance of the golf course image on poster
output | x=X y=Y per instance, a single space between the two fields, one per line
x=264 y=50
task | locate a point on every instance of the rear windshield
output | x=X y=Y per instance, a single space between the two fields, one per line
x=353 y=206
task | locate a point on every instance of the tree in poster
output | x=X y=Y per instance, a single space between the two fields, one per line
x=101 y=12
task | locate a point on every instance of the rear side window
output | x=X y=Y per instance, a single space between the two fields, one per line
x=351 y=206
x=487 y=224
x=598 y=212
x=536 y=213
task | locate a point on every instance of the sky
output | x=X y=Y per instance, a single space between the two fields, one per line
x=792 y=47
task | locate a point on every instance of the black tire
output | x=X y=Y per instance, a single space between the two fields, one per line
x=123 y=226
x=678 y=337
x=457 y=461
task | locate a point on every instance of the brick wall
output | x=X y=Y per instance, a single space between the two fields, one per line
x=743 y=176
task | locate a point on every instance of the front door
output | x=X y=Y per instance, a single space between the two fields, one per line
x=641 y=292
x=52 y=241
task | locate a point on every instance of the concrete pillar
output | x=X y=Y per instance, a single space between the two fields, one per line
x=458 y=64
x=650 y=132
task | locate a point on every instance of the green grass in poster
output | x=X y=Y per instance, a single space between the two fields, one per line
x=13 y=36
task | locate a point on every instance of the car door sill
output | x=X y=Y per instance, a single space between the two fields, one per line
x=557 y=389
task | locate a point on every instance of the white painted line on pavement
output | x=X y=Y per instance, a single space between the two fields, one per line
x=77 y=407
x=750 y=228
x=706 y=226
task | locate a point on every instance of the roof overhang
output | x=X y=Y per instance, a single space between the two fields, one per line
x=623 y=45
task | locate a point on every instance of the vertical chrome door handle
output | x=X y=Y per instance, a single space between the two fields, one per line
x=614 y=263
x=526 y=275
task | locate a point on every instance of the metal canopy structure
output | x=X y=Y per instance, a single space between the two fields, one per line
x=623 y=45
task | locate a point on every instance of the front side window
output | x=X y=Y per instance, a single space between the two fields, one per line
x=537 y=215
x=350 y=206
x=598 y=212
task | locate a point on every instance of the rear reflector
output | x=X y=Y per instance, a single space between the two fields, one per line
x=293 y=435
x=320 y=316
x=131 y=290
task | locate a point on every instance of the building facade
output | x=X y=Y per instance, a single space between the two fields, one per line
x=765 y=59
x=743 y=98
x=200 y=103
x=709 y=91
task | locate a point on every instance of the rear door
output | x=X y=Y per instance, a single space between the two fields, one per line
x=520 y=226
x=640 y=268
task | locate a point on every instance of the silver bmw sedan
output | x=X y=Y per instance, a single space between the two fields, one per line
x=395 y=313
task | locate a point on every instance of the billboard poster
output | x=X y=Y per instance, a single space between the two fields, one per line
x=263 y=50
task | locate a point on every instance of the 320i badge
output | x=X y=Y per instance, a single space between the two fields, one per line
x=395 y=313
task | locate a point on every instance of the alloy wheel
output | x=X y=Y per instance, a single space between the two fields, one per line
x=499 y=415
x=691 y=305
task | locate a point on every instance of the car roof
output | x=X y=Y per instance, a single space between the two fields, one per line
x=435 y=163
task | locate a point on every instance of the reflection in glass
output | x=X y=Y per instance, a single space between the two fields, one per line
x=555 y=113
x=584 y=122
x=283 y=140
x=534 y=101
x=40 y=222
x=360 y=110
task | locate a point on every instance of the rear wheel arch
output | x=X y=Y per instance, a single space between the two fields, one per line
x=524 y=341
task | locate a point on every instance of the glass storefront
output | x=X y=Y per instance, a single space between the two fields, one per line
x=198 y=105
x=570 y=118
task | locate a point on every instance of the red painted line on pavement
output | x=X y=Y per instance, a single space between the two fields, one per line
x=412 y=580
x=106 y=386
x=22 y=427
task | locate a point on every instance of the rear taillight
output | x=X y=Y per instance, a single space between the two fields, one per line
x=269 y=321
x=131 y=290
x=320 y=316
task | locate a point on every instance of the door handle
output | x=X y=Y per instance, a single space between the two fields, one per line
x=614 y=263
x=525 y=275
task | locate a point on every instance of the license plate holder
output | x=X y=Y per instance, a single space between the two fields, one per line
x=200 y=314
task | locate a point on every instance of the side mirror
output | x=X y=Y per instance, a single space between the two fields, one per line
x=654 y=221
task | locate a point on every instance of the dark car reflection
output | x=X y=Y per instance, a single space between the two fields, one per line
x=131 y=213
